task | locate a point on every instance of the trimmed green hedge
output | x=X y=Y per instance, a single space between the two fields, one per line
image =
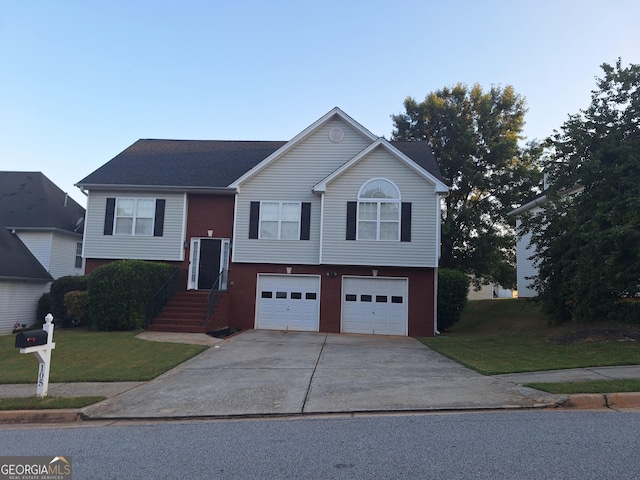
x=453 y=288
x=45 y=306
x=120 y=291
x=77 y=303
x=59 y=288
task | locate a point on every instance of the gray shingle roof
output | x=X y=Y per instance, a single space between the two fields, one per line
x=17 y=262
x=206 y=163
x=31 y=200
x=182 y=163
x=420 y=152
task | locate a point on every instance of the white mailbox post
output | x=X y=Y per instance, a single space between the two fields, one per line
x=43 y=354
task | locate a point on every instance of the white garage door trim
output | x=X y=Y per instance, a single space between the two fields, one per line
x=375 y=305
x=288 y=302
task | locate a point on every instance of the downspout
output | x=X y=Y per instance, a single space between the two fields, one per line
x=435 y=302
x=438 y=255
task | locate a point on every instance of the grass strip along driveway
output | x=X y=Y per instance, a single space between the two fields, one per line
x=87 y=356
x=512 y=336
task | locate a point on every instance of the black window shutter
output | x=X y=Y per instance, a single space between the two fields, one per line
x=405 y=222
x=352 y=208
x=108 y=217
x=158 y=222
x=254 y=217
x=305 y=221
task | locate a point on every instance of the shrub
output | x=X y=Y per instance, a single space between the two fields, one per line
x=59 y=288
x=626 y=310
x=77 y=304
x=453 y=287
x=44 y=307
x=120 y=291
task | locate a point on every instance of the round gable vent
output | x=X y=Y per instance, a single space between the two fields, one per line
x=336 y=134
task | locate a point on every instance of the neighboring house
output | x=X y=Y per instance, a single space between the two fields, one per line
x=336 y=230
x=526 y=270
x=47 y=220
x=36 y=216
x=488 y=292
x=23 y=280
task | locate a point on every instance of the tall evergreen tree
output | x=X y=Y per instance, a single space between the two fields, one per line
x=474 y=136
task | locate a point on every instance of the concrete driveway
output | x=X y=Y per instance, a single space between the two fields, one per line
x=286 y=373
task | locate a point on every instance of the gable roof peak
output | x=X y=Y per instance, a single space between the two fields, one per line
x=334 y=112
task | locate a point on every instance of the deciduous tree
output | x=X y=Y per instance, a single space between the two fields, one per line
x=475 y=137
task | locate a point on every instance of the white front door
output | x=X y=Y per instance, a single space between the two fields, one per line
x=288 y=302
x=375 y=305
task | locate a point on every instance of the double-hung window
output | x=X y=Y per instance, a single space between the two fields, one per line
x=134 y=216
x=280 y=220
x=379 y=211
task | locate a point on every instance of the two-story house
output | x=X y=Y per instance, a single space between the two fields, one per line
x=336 y=230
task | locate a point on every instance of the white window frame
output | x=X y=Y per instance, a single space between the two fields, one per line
x=279 y=220
x=78 y=257
x=377 y=202
x=134 y=217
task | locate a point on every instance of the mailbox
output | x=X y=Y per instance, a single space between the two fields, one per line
x=33 y=338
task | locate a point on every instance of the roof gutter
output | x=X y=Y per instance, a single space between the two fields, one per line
x=527 y=206
x=540 y=200
x=155 y=188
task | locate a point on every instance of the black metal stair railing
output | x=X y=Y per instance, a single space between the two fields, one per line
x=219 y=286
x=162 y=296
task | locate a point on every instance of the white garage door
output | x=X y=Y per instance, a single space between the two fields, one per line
x=374 y=305
x=288 y=302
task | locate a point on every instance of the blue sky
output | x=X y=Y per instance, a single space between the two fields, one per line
x=82 y=80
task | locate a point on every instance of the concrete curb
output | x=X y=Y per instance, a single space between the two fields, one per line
x=586 y=401
x=18 y=417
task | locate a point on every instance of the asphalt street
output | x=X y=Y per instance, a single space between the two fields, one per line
x=498 y=445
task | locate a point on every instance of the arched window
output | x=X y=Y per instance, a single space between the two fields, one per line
x=379 y=211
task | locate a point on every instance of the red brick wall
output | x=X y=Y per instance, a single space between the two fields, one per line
x=210 y=212
x=242 y=289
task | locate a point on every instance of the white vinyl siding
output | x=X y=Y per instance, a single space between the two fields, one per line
x=63 y=258
x=525 y=267
x=19 y=303
x=290 y=178
x=39 y=244
x=56 y=251
x=421 y=251
x=167 y=247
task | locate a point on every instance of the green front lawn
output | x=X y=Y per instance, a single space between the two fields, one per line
x=596 y=386
x=87 y=356
x=509 y=336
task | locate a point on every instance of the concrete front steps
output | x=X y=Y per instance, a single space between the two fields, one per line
x=186 y=311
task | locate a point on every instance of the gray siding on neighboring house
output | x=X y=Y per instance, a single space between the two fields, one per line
x=19 y=303
x=291 y=178
x=421 y=251
x=39 y=244
x=167 y=247
x=525 y=266
x=55 y=250
x=63 y=255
